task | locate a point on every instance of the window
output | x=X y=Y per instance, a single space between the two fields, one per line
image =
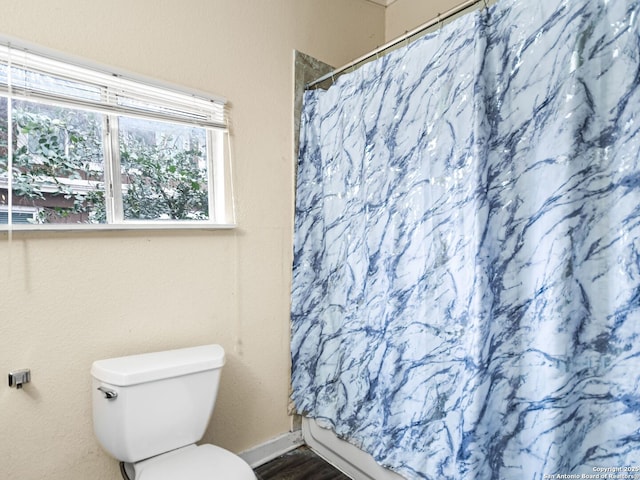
x=83 y=148
x=21 y=215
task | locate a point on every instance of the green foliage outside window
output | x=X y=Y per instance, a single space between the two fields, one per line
x=58 y=155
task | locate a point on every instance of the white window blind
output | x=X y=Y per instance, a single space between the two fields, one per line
x=36 y=77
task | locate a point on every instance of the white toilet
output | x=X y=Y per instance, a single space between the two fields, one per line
x=150 y=409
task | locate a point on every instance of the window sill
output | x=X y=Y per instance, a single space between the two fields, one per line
x=92 y=227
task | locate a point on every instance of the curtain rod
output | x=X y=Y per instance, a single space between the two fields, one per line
x=434 y=21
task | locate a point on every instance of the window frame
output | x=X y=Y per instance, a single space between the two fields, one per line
x=202 y=111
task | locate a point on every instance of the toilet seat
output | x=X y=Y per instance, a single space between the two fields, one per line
x=204 y=462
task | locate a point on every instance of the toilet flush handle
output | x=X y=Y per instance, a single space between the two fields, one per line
x=108 y=394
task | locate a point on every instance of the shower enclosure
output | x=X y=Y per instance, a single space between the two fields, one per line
x=466 y=278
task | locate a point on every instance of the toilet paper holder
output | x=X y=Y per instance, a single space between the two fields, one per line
x=18 y=378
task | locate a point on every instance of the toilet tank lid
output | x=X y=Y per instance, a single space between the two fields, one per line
x=148 y=367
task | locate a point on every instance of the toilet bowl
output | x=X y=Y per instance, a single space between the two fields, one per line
x=204 y=462
x=149 y=411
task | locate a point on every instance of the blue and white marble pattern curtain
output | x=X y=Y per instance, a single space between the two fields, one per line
x=466 y=279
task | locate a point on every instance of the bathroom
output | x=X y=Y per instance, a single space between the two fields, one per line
x=74 y=297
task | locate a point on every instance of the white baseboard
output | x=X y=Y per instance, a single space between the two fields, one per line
x=273 y=448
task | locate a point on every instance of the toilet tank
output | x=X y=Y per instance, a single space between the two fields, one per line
x=164 y=400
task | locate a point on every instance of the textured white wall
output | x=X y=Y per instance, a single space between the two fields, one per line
x=70 y=298
x=405 y=15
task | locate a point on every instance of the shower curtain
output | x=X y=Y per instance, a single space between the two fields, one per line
x=466 y=278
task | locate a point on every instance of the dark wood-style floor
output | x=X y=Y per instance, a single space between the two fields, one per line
x=299 y=464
